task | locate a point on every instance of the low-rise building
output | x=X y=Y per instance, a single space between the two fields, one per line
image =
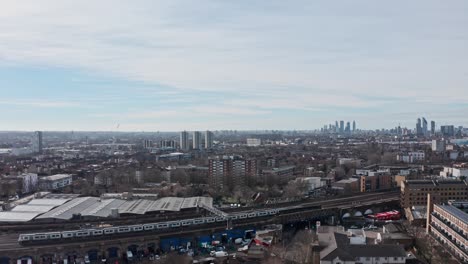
x=281 y=175
x=349 y=162
x=55 y=182
x=456 y=171
x=350 y=185
x=312 y=183
x=411 y=157
x=339 y=247
x=370 y=181
x=254 y=142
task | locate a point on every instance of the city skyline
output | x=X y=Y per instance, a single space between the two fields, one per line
x=221 y=66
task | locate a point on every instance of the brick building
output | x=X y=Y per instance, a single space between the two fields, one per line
x=414 y=192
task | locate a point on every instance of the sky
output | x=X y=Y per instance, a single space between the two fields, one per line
x=148 y=65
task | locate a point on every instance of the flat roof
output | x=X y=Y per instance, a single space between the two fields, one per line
x=462 y=216
x=55 y=177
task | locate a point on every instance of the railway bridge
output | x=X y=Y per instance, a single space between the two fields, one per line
x=116 y=246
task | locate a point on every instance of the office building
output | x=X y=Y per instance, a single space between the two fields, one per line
x=375 y=181
x=354 y=126
x=55 y=182
x=348 y=128
x=281 y=175
x=418 y=127
x=447 y=131
x=438 y=145
x=424 y=127
x=414 y=192
x=254 y=142
x=184 y=141
x=37 y=142
x=229 y=172
x=208 y=139
x=197 y=140
x=411 y=156
x=342 y=127
x=433 y=128
x=448 y=223
x=337 y=127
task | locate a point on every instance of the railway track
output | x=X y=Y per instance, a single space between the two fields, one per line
x=141 y=219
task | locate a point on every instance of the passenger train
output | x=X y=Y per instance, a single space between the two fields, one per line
x=107 y=231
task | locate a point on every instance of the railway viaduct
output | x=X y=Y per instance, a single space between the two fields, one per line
x=117 y=246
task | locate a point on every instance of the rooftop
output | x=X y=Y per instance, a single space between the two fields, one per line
x=461 y=215
x=56 y=177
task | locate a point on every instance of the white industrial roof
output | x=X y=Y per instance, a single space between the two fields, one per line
x=66 y=211
x=54 y=202
x=33 y=208
x=56 y=177
x=136 y=206
x=17 y=216
x=103 y=208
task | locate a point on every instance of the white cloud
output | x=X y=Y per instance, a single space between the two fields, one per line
x=40 y=103
x=264 y=55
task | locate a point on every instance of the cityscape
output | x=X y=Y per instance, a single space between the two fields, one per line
x=225 y=132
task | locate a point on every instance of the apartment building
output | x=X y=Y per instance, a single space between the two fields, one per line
x=230 y=171
x=448 y=223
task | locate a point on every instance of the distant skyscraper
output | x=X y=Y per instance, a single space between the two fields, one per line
x=208 y=139
x=447 y=131
x=184 y=140
x=348 y=127
x=433 y=127
x=197 y=140
x=424 y=126
x=354 y=126
x=418 y=127
x=147 y=144
x=37 y=142
x=342 y=126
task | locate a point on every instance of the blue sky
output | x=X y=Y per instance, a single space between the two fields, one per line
x=195 y=65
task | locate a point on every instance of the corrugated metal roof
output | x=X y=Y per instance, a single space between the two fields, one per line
x=190 y=202
x=66 y=211
x=33 y=208
x=135 y=207
x=167 y=204
x=17 y=216
x=54 y=202
x=103 y=208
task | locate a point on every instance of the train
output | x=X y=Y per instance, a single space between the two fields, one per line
x=126 y=229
